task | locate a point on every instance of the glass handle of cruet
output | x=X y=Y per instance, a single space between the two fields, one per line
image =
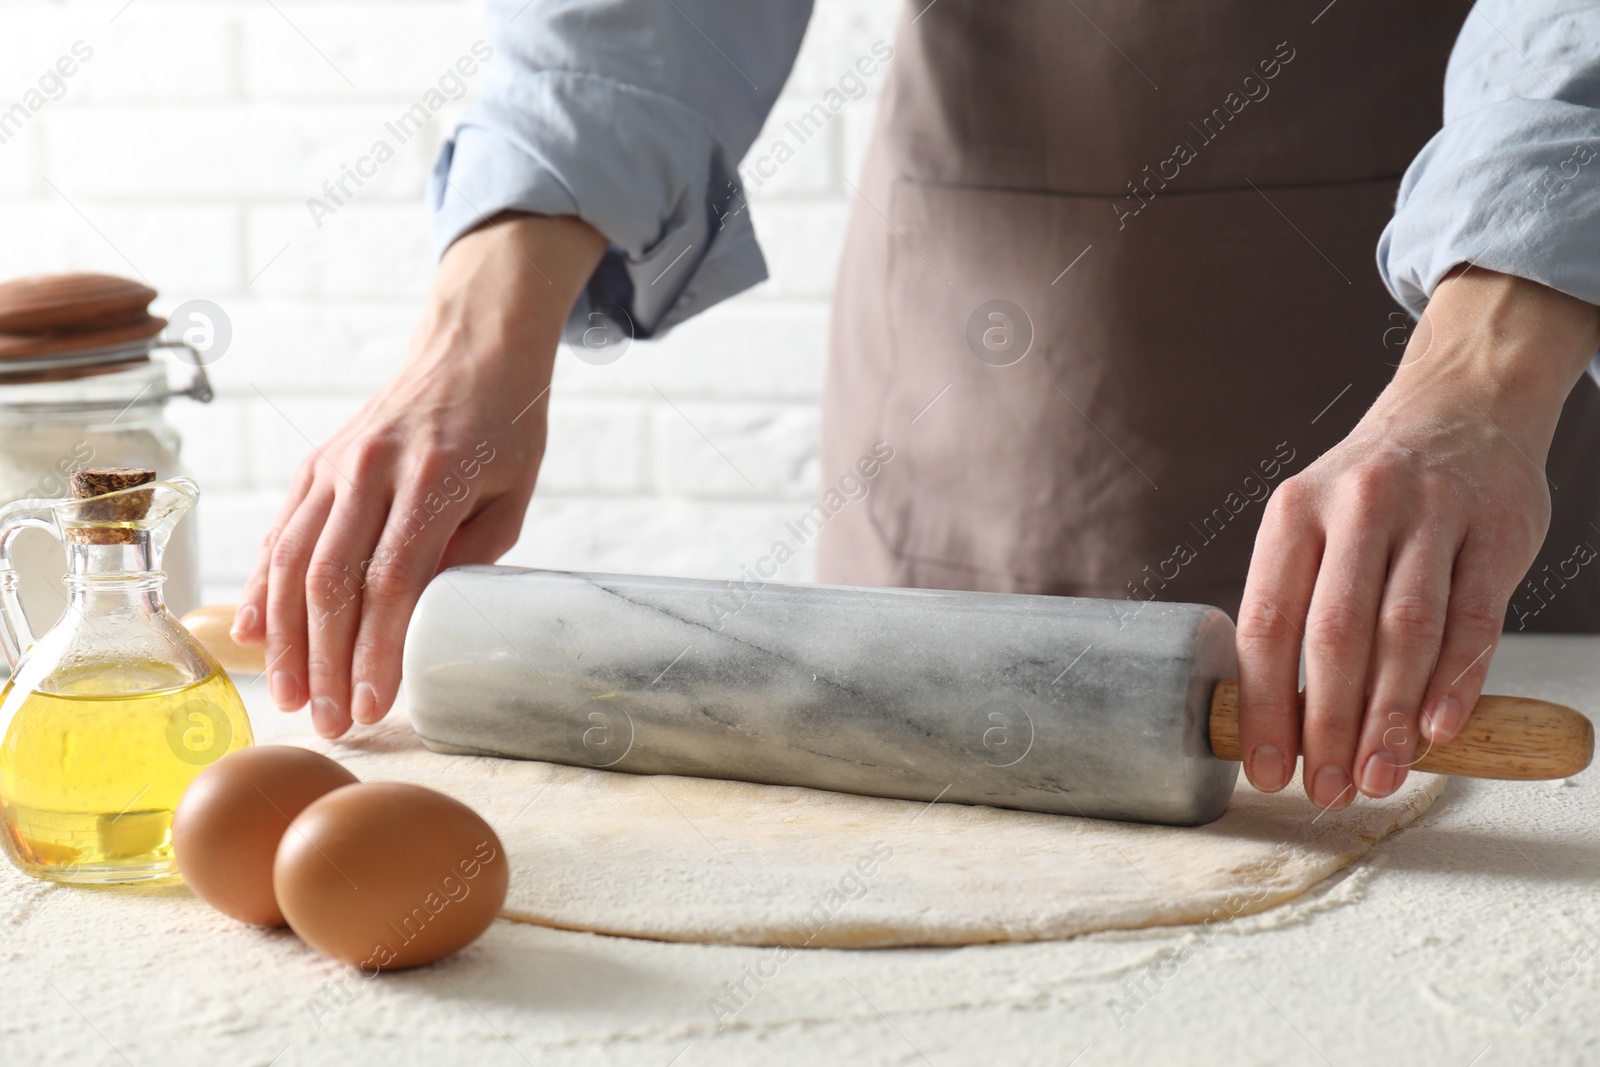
x=15 y=517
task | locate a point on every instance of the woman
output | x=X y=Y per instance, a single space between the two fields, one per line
x=1104 y=289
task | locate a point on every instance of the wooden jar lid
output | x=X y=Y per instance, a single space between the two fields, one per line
x=54 y=314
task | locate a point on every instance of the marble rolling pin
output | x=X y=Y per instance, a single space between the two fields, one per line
x=1080 y=707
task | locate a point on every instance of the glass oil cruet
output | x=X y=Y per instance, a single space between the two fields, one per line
x=109 y=715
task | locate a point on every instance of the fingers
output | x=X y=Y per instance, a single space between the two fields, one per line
x=1411 y=624
x=250 y=615
x=337 y=579
x=1339 y=639
x=410 y=566
x=1277 y=595
x=250 y=618
x=286 y=651
x=407 y=557
x=1398 y=634
x=333 y=587
x=1472 y=624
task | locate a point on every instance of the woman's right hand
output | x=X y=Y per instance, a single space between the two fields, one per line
x=435 y=471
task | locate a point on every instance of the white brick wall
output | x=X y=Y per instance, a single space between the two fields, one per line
x=184 y=150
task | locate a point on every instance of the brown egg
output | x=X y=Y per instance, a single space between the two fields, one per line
x=386 y=875
x=230 y=819
x=212 y=626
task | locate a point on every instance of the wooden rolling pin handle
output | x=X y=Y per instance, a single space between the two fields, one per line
x=1513 y=738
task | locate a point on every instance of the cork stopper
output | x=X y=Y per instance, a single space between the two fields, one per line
x=131 y=507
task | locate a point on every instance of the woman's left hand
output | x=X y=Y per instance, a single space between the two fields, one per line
x=1393 y=556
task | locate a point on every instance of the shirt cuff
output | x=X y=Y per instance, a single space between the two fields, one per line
x=1513 y=187
x=642 y=169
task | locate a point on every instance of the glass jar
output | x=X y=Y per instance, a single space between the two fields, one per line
x=112 y=713
x=78 y=388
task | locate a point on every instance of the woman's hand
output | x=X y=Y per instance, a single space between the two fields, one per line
x=435 y=471
x=1393 y=556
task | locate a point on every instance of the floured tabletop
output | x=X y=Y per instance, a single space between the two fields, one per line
x=1470 y=937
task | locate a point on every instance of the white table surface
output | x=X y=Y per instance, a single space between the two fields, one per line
x=1416 y=955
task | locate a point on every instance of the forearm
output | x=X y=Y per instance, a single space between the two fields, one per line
x=502 y=295
x=1509 y=347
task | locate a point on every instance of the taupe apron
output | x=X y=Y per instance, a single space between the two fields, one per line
x=1180 y=204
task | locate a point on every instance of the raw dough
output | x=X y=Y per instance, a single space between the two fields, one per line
x=688 y=859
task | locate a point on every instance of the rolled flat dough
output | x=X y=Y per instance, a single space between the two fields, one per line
x=689 y=859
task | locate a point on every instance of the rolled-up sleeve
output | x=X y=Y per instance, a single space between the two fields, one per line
x=631 y=115
x=1512 y=180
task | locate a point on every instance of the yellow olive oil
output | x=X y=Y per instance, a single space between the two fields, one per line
x=91 y=769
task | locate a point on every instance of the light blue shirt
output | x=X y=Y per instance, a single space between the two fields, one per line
x=1512 y=180
x=634 y=114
